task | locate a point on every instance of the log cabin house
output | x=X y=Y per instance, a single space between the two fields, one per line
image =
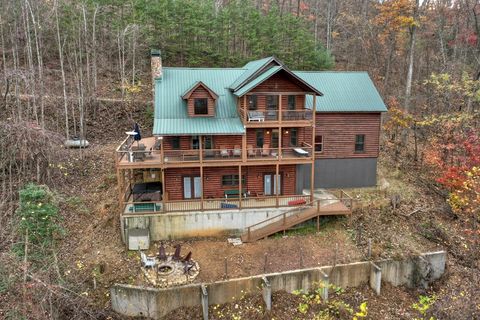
x=233 y=147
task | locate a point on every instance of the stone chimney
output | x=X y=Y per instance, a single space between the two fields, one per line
x=156 y=64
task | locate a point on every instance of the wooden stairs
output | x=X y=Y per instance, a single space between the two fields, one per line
x=288 y=219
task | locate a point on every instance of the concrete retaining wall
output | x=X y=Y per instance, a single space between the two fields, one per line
x=202 y=224
x=156 y=303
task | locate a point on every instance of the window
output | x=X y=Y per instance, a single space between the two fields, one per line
x=195 y=142
x=318 y=143
x=275 y=138
x=259 y=138
x=208 y=142
x=200 y=105
x=272 y=102
x=360 y=143
x=293 y=137
x=292 y=101
x=252 y=102
x=231 y=180
x=176 y=143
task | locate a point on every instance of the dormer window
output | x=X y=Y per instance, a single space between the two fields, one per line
x=200 y=106
x=200 y=100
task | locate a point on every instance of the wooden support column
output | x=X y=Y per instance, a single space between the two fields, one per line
x=280 y=108
x=201 y=193
x=312 y=169
x=275 y=181
x=162 y=155
x=244 y=147
x=280 y=132
x=240 y=187
x=245 y=118
x=163 y=190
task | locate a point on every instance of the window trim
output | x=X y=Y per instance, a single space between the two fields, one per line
x=205 y=100
x=275 y=100
x=252 y=102
x=289 y=106
x=296 y=137
x=175 y=143
x=259 y=133
x=233 y=179
x=319 y=143
x=357 y=143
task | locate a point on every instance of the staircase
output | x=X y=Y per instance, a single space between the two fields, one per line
x=284 y=221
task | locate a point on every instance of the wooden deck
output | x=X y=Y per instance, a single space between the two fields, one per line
x=209 y=204
x=294 y=217
x=153 y=158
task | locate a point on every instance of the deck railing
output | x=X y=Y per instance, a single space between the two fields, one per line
x=210 y=204
x=282 y=218
x=297 y=115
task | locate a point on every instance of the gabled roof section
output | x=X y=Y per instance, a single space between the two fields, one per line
x=251 y=68
x=260 y=70
x=255 y=82
x=197 y=84
x=344 y=92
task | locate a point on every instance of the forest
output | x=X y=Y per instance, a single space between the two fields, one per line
x=80 y=68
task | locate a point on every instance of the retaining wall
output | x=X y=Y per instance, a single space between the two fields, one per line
x=202 y=224
x=156 y=303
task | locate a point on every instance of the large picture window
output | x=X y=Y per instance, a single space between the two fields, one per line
x=259 y=138
x=175 y=143
x=200 y=105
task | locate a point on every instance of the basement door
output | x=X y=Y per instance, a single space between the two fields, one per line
x=192 y=187
x=270 y=184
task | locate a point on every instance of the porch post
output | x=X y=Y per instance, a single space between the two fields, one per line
x=277 y=189
x=244 y=147
x=312 y=169
x=163 y=189
x=245 y=118
x=201 y=193
x=162 y=156
x=240 y=187
x=280 y=108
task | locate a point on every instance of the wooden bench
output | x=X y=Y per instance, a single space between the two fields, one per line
x=297 y=202
x=232 y=193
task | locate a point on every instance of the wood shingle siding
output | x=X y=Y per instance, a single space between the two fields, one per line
x=339 y=130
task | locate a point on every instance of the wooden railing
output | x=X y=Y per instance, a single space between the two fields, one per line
x=343 y=197
x=297 y=115
x=210 y=204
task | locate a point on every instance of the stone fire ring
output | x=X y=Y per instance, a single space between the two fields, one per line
x=170 y=272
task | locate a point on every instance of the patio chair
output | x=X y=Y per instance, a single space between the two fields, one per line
x=147 y=262
x=237 y=151
x=250 y=151
x=266 y=150
x=224 y=152
x=162 y=256
x=176 y=255
x=187 y=258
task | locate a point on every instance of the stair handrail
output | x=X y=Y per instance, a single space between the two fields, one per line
x=343 y=197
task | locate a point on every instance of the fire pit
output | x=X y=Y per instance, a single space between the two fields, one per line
x=170 y=269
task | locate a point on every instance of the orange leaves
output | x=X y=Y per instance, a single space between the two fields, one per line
x=396 y=17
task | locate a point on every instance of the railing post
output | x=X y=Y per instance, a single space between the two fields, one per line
x=318 y=205
x=248 y=235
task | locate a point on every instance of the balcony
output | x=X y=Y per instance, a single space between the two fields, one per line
x=260 y=118
x=147 y=154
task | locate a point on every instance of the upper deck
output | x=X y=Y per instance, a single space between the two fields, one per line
x=149 y=153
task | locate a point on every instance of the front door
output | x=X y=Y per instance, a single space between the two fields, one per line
x=192 y=187
x=270 y=184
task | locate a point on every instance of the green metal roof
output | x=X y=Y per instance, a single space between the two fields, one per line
x=171 y=115
x=255 y=82
x=343 y=92
x=250 y=69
